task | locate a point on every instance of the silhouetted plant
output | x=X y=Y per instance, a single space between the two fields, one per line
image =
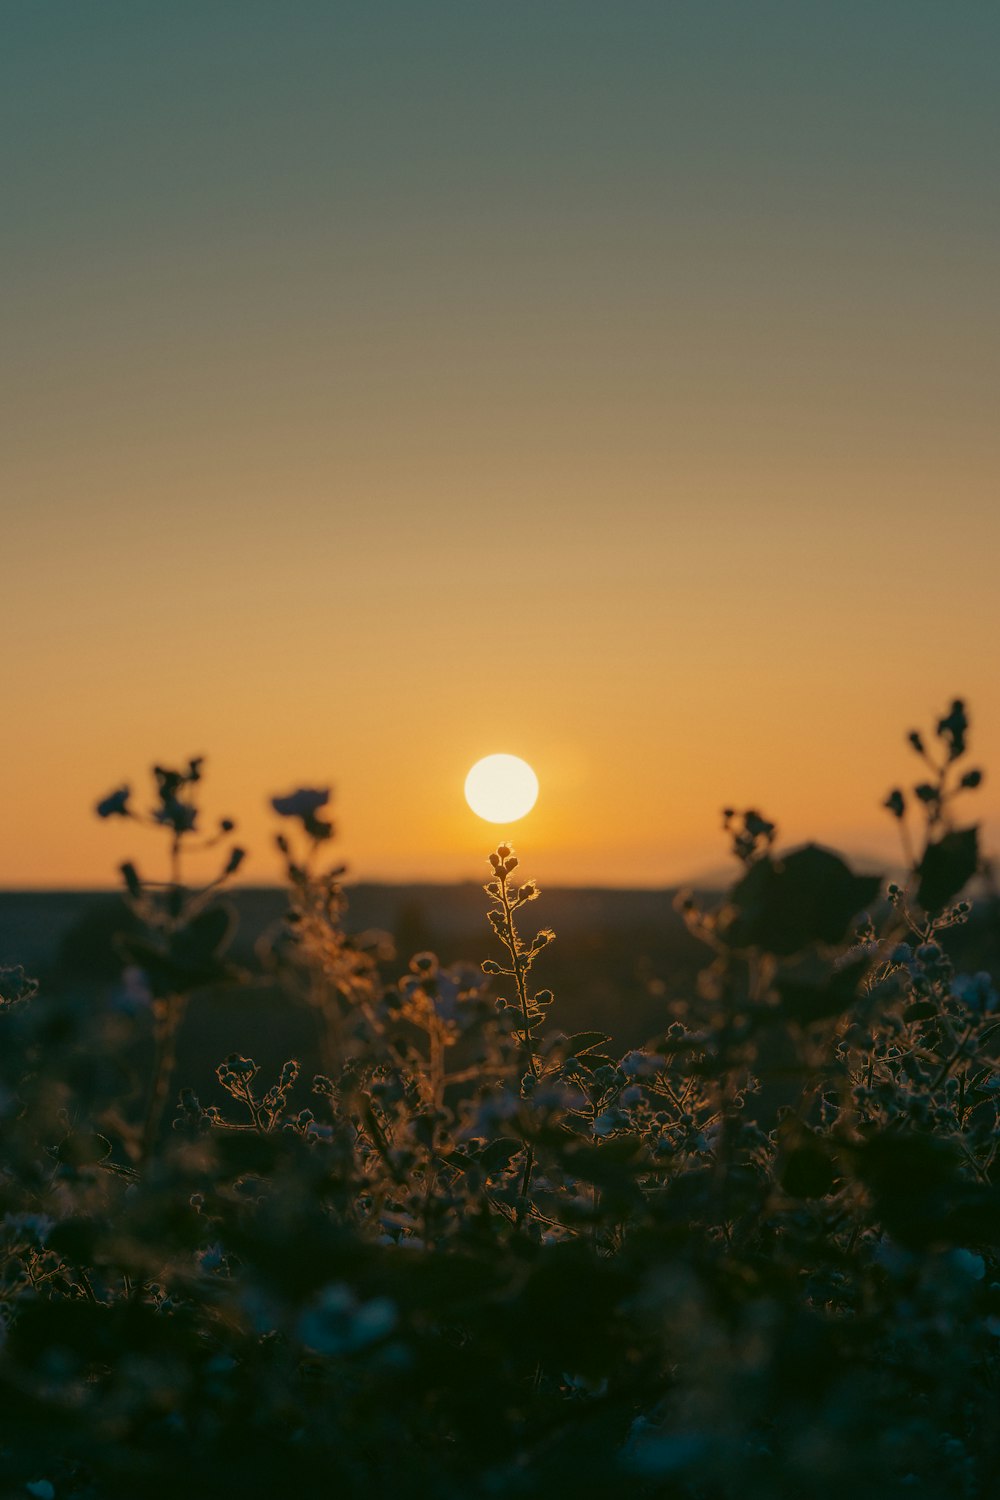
x=757 y=1258
x=184 y=931
x=948 y=856
x=339 y=974
x=507 y=899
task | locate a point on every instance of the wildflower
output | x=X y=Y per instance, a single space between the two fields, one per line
x=641 y=1064
x=115 y=804
x=178 y=815
x=976 y=991
x=15 y=986
x=304 y=803
x=337 y=1323
x=34 y=1228
x=953 y=729
x=211 y=1259
x=608 y=1122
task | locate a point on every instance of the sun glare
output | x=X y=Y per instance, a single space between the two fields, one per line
x=501 y=788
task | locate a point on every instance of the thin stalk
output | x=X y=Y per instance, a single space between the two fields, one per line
x=163 y=1072
x=950 y=1062
x=513 y=945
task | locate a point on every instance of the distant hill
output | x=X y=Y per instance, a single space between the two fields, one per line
x=618 y=957
x=35 y=925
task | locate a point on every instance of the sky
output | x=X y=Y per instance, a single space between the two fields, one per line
x=387 y=385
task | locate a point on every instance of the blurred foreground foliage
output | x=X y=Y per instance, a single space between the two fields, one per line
x=475 y=1256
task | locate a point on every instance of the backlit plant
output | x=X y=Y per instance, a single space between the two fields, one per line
x=463 y=1249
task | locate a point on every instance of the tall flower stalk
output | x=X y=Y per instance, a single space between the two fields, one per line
x=507 y=897
x=183 y=932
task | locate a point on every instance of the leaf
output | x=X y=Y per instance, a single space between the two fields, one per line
x=811 y=993
x=584 y=1041
x=808 y=1171
x=808 y=896
x=921 y=1194
x=191 y=957
x=621 y=1148
x=594 y=1060
x=612 y=1165
x=83 y=1149
x=462 y=1160
x=946 y=867
x=988 y=1035
x=912 y=1179
x=205 y=936
x=498 y=1154
x=920 y=1010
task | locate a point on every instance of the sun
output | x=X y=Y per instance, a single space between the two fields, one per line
x=501 y=788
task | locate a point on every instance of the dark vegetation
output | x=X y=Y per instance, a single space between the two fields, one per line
x=619 y=953
x=533 y=1226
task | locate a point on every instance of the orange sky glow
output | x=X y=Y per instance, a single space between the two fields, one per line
x=617 y=399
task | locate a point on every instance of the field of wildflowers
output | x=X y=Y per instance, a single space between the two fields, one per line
x=475 y=1255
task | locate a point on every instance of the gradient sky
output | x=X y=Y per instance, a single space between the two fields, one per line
x=389 y=384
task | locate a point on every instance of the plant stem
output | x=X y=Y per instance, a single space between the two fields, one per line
x=513 y=946
x=163 y=1071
